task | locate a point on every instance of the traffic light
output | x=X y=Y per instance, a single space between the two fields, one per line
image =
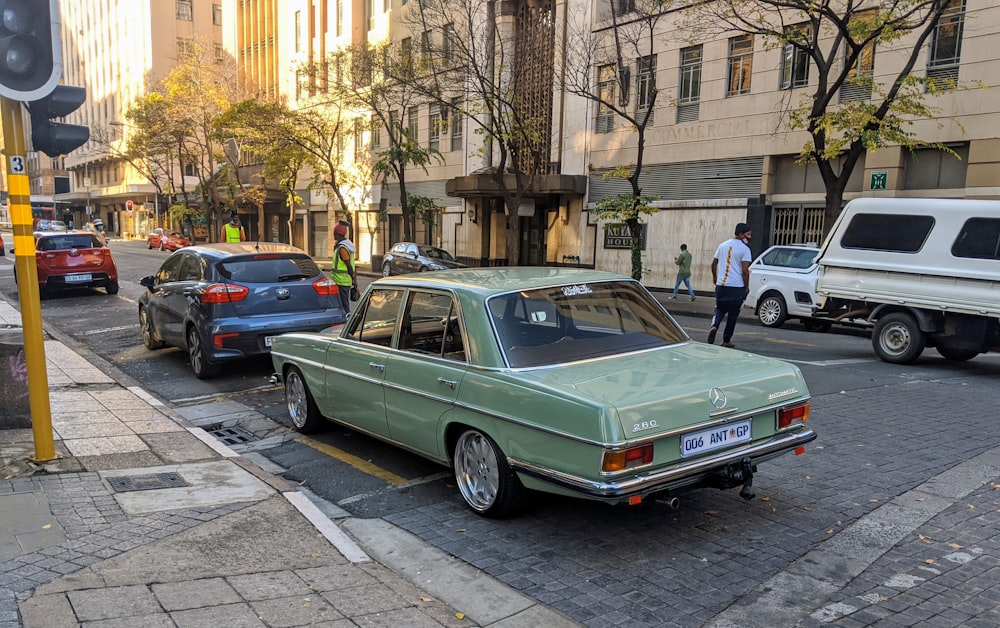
x=57 y=138
x=30 y=49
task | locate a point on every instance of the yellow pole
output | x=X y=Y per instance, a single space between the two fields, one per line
x=27 y=284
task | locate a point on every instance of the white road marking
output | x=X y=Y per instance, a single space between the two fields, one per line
x=830 y=362
x=427 y=479
x=91 y=332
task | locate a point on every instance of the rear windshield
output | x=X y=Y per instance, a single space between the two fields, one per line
x=790 y=258
x=69 y=241
x=269 y=268
x=577 y=322
x=436 y=253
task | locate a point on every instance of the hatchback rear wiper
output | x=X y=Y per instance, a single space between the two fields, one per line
x=291 y=276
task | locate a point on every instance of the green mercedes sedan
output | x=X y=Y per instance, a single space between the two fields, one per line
x=568 y=381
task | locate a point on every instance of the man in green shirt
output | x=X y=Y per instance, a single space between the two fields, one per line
x=683 y=262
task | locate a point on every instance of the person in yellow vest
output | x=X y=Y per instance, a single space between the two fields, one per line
x=343 y=271
x=232 y=231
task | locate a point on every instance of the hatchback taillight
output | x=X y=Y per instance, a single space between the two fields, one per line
x=224 y=293
x=793 y=415
x=326 y=287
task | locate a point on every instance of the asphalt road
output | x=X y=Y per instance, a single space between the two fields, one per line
x=883 y=429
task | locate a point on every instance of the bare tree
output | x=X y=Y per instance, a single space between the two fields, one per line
x=828 y=49
x=497 y=73
x=599 y=68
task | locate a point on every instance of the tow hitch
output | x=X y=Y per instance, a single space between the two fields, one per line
x=737 y=473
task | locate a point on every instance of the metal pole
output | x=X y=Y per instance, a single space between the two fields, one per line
x=27 y=285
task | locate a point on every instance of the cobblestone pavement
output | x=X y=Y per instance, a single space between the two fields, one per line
x=652 y=566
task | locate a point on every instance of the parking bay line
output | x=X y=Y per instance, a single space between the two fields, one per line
x=427 y=479
x=361 y=465
x=830 y=362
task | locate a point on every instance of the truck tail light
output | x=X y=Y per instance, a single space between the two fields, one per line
x=793 y=415
x=224 y=293
x=627 y=458
x=325 y=287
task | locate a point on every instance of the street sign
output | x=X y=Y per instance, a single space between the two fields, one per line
x=879 y=179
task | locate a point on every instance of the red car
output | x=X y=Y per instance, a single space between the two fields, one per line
x=3 y=251
x=73 y=259
x=160 y=239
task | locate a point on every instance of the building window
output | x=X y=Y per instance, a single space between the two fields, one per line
x=359 y=136
x=434 y=126
x=406 y=51
x=183 y=9
x=412 y=127
x=858 y=85
x=425 y=47
x=740 y=65
x=606 y=85
x=219 y=52
x=449 y=42
x=298 y=31
x=217 y=14
x=622 y=7
x=185 y=47
x=946 y=44
x=340 y=18
x=689 y=89
x=795 y=60
x=457 y=126
x=645 y=88
x=376 y=127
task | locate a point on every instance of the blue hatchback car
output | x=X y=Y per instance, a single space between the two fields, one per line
x=227 y=301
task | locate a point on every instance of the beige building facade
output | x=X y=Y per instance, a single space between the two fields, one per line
x=116 y=51
x=719 y=149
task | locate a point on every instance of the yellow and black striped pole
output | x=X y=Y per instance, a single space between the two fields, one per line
x=27 y=284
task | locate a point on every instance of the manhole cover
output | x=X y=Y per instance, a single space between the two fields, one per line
x=126 y=483
x=231 y=435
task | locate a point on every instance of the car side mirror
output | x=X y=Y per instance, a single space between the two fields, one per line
x=147 y=281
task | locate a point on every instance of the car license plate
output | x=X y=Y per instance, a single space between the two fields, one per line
x=715 y=438
x=78 y=278
x=268 y=340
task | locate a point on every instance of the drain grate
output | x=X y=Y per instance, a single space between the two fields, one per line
x=126 y=483
x=231 y=435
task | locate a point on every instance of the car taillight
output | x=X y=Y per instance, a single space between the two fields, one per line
x=325 y=287
x=219 y=339
x=627 y=458
x=224 y=293
x=793 y=415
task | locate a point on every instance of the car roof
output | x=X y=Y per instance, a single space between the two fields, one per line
x=221 y=250
x=488 y=281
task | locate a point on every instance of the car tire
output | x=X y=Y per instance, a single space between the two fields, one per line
x=772 y=311
x=111 y=287
x=386 y=270
x=203 y=369
x=487 y=483
x=301 y=405
x=898 y=339
x=161 y=245
x=952 y=353
x=812 y=324
x=146 y=331
x=149 y=245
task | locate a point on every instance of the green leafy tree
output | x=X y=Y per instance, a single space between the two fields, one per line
x=845 y=107
x=428 y=212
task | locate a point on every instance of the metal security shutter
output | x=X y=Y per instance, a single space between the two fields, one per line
x=430 y=189
x=715 y=178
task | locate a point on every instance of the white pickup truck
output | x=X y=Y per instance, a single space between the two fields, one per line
x=925 y=272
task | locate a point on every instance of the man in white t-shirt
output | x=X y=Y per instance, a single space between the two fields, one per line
x=731 y=275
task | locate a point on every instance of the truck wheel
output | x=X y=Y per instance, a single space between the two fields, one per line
x=772 y=311
x=958 y=355
x=898 y=339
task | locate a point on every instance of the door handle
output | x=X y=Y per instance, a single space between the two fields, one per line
x=378 y=367
x=447 y=382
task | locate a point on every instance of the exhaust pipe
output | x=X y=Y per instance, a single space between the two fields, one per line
x=670 y=501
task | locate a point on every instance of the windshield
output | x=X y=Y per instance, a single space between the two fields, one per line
x=578 y=322
x=436 y=253
x=268 y=268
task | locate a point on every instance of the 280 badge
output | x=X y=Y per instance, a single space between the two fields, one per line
x=645 y=425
